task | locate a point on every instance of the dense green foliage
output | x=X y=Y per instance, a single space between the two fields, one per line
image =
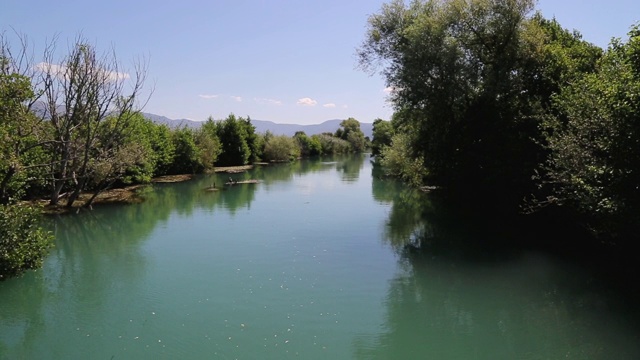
x=18 y=134
x=23 y=245
x=497 y=105
x=329 y=144
x=457 y=70
x=70 y=125
x=594 y=164
x=186 y=158
x=382 y=134
x=399 y=160
x=349 y=131
x=309 y=146
x=281 y=148
x=237 y=136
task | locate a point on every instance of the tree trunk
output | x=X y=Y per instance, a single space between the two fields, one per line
x=55 y=194
x=99 y=189
x=58 y=181
x=76 y=192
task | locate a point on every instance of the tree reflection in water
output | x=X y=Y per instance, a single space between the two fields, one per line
x=462 y=294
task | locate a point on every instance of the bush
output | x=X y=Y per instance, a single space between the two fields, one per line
x=332 y=145
x=281 y=148
x=398 y=160
x=23 y=243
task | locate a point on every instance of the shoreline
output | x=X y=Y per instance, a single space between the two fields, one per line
x=123 y=195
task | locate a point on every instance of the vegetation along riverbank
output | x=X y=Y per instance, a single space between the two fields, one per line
x=497 y=108
x=73 y=135
x=508 y=113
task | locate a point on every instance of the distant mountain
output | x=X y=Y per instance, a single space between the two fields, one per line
x=172 y=123
x=263 y=126
x=290 y=129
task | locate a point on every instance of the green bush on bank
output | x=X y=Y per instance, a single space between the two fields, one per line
x=23 y=243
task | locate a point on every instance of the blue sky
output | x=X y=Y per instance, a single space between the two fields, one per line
x=279 y=60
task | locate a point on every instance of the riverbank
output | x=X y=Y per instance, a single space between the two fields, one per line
x=123 y=195
x=234 y=169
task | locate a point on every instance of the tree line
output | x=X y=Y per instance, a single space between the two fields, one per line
x=509 y=111
x=72 y=124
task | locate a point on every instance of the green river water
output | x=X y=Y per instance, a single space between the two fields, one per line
x=310 y=263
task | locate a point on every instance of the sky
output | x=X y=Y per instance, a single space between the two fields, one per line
x=287 y=61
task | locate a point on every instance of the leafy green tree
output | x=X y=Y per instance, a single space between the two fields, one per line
x=163 y=148
x=17 y=129
x=382 y=134
x=398 y=160
x=251 y=138
x=561 y=57
x=233 y=136
x=350 y=131
x=330 y=144
x=23 y=244
x=136 y=138
x=309 y=146
x=281 y=148
x=462 y=71
x=186 y=158
x=262 y=140
x=209 y=144
x=22 y=133
x=595 y=141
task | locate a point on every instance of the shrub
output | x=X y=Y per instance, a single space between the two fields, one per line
x=23 y=243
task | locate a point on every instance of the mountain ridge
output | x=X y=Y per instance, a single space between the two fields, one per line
x=263 y=126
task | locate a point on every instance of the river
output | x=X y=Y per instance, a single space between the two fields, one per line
x=310 y=263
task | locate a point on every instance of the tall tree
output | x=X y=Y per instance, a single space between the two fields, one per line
x=309 y=146
x=350 y=131
x=594 y=139
x=233 y=134
x=461 y=91
x=252 y=139
x=209 y=144
x=187 y=159
x=15 y=123
x=80 y=92
x=382 y=133
x=21 y=132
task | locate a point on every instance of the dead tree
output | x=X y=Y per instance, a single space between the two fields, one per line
x=81 y=92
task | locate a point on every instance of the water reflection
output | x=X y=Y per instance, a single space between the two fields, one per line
x=460 y=295
x=307 y=271
x=350 y=166
x=96 y=255
x=99 y=253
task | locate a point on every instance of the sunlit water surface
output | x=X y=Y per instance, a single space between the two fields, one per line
x=310 y=263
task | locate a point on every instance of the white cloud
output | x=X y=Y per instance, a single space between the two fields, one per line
x=113 y=76
x=391 y=89
x=57 y=70
x=237 y=98
x=208 y=96
x=307 y=102
x=60 y=71
x=264 y=101
x=345 y=106
x=329 y=105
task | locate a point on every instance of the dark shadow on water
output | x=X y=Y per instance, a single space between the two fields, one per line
x=476 y=285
